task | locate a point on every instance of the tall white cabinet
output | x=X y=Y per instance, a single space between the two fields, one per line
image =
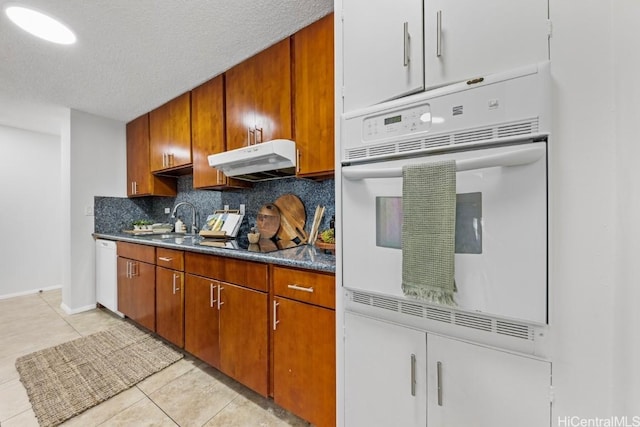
x=395 y=375
x=394 y=48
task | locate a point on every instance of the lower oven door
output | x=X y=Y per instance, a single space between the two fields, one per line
x=501 y=229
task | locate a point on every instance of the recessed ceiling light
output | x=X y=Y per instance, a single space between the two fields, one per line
x=40 y=25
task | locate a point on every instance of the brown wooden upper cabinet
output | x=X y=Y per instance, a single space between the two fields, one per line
x=208 y=135
x=314 y=98
x=170 y=135
x=258 y=97
x=140 y=181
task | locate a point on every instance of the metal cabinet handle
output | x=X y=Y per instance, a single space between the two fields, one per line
x=135 y=187
x=297 y=160
x=439 y=34
x=212 y=301
x=275 y=314
x=439 y=371
x=127 y=274
x=249 y=133
x=171 y=159
x=164 y=160
x=301 y=288
x=413 y=375
x=406 y=44
x=256 y=135
x=175 y=278
x=220 y=288
x=134 y=268
x=165 y=259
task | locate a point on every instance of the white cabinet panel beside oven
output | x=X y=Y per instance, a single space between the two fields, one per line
x=500 y=240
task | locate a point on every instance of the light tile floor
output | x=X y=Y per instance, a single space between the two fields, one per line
x=187 y=393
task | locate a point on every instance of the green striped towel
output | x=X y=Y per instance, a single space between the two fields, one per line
x=428 y=231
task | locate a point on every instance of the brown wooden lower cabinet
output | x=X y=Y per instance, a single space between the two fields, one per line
x=244 y=347
x=219 y=309
x=137 y=291
x=226 y=324
x=304 y=371
x=201 y=324
x=304 y=343
x=170 y=305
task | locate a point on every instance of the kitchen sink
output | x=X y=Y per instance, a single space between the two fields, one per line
x=173 y=237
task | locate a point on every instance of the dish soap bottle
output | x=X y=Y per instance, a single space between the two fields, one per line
x=179 y=226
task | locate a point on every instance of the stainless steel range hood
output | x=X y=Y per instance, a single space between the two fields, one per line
x=267 y=160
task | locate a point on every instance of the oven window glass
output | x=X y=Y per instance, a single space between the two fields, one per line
x=389 y=222
x=468 y=223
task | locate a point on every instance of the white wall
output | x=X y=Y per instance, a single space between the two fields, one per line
x=96 y=157
x=31 y=214
x=626 y=345
x=583 y=209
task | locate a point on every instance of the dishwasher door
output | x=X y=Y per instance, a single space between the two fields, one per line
x=107 y=275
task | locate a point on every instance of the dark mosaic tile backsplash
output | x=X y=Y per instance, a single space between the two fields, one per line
x=114 y=214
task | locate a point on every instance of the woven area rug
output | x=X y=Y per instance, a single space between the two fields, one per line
x=67 y=379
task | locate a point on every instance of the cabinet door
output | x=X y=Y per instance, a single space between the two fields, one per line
x=201 y=329
x=485 y=387
x=208 y=134
x=143 y=294
x=304 y=360
x=241 y=92
x=385 y=374
x=258 y=97
x=170 y=305
x=273 y=107
x=125 y=287
x=382 y=51
x=314 y=97
x=170 y=134
x=140 y=181
x=243 y=336
x=470 y=38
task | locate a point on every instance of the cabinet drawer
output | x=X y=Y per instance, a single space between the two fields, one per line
x=142 y=253
x=170 y=258
x=304 y=285
x=245 y=273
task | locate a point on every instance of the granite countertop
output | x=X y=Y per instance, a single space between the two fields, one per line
x=304 y=256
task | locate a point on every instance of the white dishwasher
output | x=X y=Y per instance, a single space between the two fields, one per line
x=107 y=275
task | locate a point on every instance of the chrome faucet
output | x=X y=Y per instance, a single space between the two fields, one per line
x=194 y=224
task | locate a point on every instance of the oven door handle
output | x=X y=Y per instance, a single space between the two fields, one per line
x=521 y=157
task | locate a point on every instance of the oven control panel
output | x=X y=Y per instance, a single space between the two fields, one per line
x=397 y=123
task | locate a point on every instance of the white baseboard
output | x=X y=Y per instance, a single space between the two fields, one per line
x=30 y=292
x=68 y=310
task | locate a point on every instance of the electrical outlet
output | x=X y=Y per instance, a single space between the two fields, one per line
x=167 y=210
x=88 y=210
x=226 y=207
x=241 y=209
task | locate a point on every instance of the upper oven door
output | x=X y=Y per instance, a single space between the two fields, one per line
x=501 y=229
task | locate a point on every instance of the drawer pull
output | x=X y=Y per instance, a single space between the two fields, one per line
x=164 y=258
x=301 y=288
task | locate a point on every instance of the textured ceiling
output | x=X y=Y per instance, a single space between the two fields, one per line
x=133 y=55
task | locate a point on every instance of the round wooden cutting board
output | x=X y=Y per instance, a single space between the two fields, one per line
x=268 y=221
x=292 y=217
